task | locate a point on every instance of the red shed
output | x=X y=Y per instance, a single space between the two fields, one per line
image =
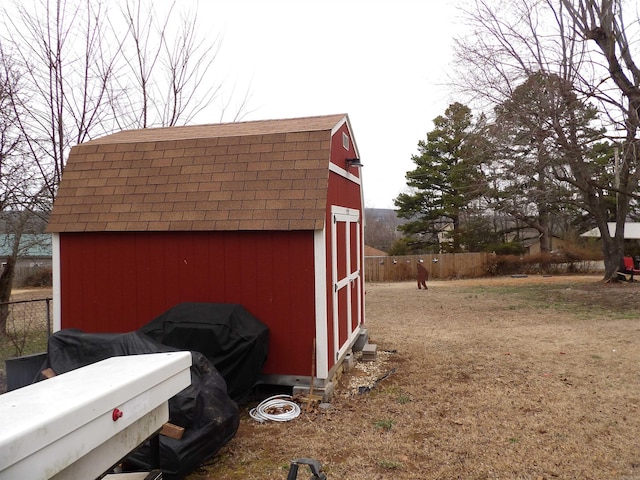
x=266 y=214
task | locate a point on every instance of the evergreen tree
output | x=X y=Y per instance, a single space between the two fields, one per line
x=444 y=183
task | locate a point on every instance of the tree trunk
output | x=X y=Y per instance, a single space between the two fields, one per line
x=457 y=248
x=613 y=252
x=6 y=284
x=613 y=246
x=544 y=229
x=545 y=242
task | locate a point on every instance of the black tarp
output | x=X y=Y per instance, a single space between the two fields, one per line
x=227 y=334
x=210 y=418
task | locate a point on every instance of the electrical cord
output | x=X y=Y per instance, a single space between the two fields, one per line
x=277 y=409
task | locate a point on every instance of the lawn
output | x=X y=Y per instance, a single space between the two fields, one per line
x=501 y=378
x=507 y=378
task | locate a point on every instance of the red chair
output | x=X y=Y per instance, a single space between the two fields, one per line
x=629 y=268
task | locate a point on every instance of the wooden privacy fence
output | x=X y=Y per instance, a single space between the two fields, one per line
x=439 y=266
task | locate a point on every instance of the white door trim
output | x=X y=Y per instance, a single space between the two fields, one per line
x=349 y=216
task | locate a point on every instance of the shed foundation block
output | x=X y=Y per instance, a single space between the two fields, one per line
x=361 y=341
x=325 y=392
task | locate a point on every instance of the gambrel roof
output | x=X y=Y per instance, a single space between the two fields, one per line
x=260 y=175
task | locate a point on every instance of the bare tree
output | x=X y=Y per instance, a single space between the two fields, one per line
x=170 y=60
x=515 y=40
x=19 y=182
x=618 y=92
x=528 y=138
x=90 y=70
x=73 y=70
x=9 y=143
x=381 y=228
x=60 y=48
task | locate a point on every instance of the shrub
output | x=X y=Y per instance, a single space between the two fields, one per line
x=563 y=261
x=41 y=277
x=506 y=248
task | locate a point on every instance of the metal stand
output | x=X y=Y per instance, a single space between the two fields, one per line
x=314 y=466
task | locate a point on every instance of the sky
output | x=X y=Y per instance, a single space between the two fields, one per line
x=383 y=62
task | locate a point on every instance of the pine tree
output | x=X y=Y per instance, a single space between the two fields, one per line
x=444 y=183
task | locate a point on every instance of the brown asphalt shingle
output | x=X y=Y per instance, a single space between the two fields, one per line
x=263 y=175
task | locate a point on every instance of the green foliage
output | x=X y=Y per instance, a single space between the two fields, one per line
x=477 y=234
x=412 y=246
x=17 y=344
x=446 y=178
x=390 y=464
x=477 y=185
x=540 y=131
x=506 y=248
x=384 y=424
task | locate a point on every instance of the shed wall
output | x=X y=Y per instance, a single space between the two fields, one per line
x=344 y=190
x=117 y=282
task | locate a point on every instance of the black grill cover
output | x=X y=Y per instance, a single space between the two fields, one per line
x=227 y=334
x=210 y=418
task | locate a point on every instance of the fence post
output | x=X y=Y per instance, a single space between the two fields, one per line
x=48 y=300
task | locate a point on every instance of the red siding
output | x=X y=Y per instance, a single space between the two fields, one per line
x=338 y=152
x=117 y=282
x=343 y=193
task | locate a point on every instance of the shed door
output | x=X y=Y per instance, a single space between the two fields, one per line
x=346 y=278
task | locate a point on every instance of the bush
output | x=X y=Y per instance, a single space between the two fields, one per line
x=556 y=262
x=580 y=254
x=506 y=248
x=41 y=277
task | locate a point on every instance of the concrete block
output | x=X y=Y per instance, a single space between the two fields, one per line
x=349 y=361
x=369 y=352
x=361 y=341
x=325 y=392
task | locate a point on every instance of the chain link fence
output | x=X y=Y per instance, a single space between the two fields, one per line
x=28 y=326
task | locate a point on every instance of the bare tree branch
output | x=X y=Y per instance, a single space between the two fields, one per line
x=513 y=40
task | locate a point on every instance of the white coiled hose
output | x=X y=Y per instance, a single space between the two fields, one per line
x=287 y=410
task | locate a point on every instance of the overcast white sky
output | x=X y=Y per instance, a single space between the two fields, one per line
x=381 y=61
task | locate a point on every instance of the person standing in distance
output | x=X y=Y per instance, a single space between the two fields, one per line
x=423 y=276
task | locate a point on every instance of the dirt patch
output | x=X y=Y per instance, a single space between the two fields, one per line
x=509 y=378
x=30 y=294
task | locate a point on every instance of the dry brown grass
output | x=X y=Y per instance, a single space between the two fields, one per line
x=527 y=378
